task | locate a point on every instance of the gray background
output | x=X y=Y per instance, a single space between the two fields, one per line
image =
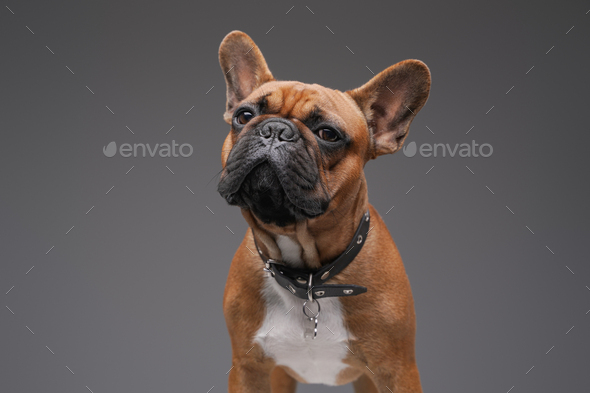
x=130 y=299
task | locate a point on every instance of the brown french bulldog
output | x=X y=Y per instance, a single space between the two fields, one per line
x=315 y=295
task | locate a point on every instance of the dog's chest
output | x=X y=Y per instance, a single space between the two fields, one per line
x=282 y=335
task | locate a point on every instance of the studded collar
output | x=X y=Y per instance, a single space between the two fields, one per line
x=310 y=284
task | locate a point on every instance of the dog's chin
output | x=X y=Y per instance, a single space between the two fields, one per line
x=261 y=192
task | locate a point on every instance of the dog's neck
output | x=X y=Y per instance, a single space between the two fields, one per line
x=311 y=243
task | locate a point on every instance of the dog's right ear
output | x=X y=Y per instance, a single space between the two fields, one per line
x=244 y=69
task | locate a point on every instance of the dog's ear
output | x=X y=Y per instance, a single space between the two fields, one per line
x=390 y=101
x=244 y=69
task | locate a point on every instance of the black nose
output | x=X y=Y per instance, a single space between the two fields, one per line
x=281 y=129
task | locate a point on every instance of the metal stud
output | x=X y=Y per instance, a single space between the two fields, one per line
x=301 y=280
x=347 y=291
x=290 y=288
x=359 y=240
x=367 y=217
x=325 y=275
x=319 y=293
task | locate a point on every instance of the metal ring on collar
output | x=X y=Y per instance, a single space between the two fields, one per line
x=314 y=316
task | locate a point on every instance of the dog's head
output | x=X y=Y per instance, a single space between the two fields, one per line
x=297 y=150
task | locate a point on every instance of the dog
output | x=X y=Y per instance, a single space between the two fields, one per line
x=317 y=291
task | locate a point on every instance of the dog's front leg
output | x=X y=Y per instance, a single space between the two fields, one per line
x=403 y=379
x=249 y=376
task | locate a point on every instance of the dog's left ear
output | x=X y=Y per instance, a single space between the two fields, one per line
x=390 y=101
x=244 y=69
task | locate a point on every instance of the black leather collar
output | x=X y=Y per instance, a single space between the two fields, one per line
x=299 y=281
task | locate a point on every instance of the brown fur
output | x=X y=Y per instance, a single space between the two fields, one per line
x=382 y=320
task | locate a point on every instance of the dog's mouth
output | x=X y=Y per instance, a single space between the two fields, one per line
x=274 y=196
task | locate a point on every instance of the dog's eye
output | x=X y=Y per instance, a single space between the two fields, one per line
x=244 y=117
x=328 y=135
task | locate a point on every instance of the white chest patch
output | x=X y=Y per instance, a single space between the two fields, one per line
x=281 y=335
